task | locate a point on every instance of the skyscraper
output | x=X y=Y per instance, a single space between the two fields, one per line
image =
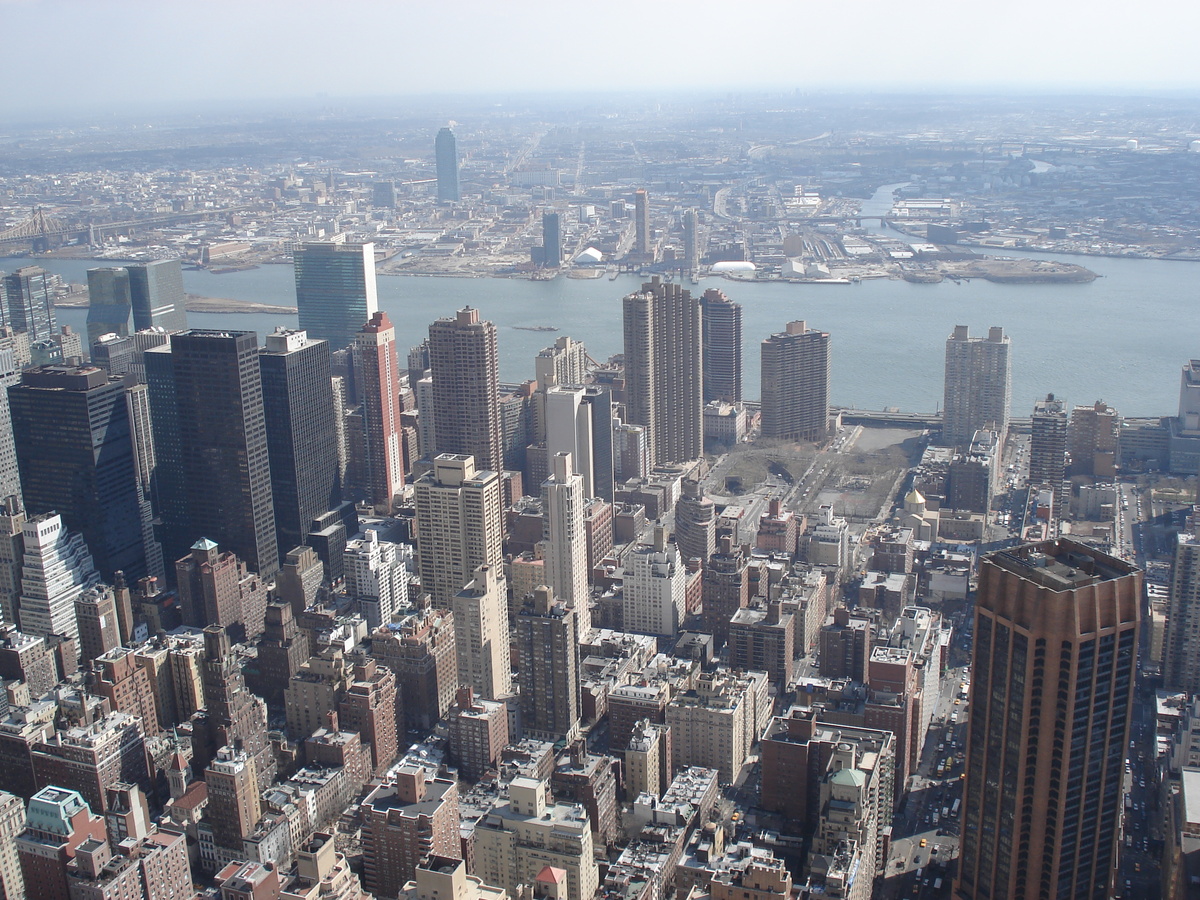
x=459 y=525
x=1048 y=447
x=978 y=385
x=1181 y=662
x=722 y=347
x=795 y=384
x=566 y=544
x=10 y=478
x=481 y=634
x=156 y=295
x=76 y=454
x=30 y=308
x=207 y=405
x=548 y=643
x=552 y=239
x=664 y=370
x=375 y=373
x=1056 y=637
x=641 y=223
x=445 y=150
x=110 y=306
x=301 y=435
x=691 y=241
x=55 y=571
x=335 y=290
x=464 y=364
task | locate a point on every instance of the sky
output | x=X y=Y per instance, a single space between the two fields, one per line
x=113 y=54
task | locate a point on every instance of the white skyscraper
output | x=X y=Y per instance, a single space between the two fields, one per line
x=566 y=544
x=377 y=576
x=10 y=374
x=655 y=582
x=569 y=430
x=57 y=569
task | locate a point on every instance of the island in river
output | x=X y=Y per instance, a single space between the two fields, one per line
x=195 y=303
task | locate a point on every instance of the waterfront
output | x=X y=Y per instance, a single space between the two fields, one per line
x=1121 y=338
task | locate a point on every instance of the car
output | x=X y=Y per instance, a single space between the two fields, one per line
x=924 y=842
x=916 y=860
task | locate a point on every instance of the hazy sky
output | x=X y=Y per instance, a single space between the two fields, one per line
x=113 y=54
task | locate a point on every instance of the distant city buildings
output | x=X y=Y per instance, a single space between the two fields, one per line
x=446 y=156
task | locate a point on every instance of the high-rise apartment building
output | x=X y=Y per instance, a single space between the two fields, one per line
x=156 y=295
x=693 y=248
x=1094 y=434
x=464 y=364
x=369 y=708
x=552 y=239
x=237 y=718
x=664 y=370
x=725 y=586
x=566 y=544
x=722 y=347
x=978 y=385
x=30 y=304
x=297 y=396
x=215 y=588
x=519 y=838
x=76 y=454
x=1181 y=650
x=445 y=150
x=459 y=525
x=563 y=363
x=12 y=823
x=211 y=438
x=10 y=374
x=643 y=238
x=795 y=384
x=376 y=373
x=695 y=523
x=655 y=580
x=1055 y=651
x=55 y=571
x=481 y=633
x=549 y=675
x=335 y=290
x=404 y=820
x=96 y=617
x=377 y=574
x=234 y=802
x=1048 y=446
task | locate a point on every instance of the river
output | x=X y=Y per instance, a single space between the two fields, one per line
x=1122 y=338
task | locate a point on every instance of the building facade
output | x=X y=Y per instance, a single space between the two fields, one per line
x=795 y=384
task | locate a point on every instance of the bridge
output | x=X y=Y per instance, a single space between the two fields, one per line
x=43 y=231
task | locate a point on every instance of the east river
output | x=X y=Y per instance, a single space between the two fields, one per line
x=1122 y=338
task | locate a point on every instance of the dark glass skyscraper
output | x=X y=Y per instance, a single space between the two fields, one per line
x=335 y=290
x=29 y=306
x=207 y=409
x=157 y=296
x=110 y=306
x=446 y=155
x=76 y=456
x=301 y=433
